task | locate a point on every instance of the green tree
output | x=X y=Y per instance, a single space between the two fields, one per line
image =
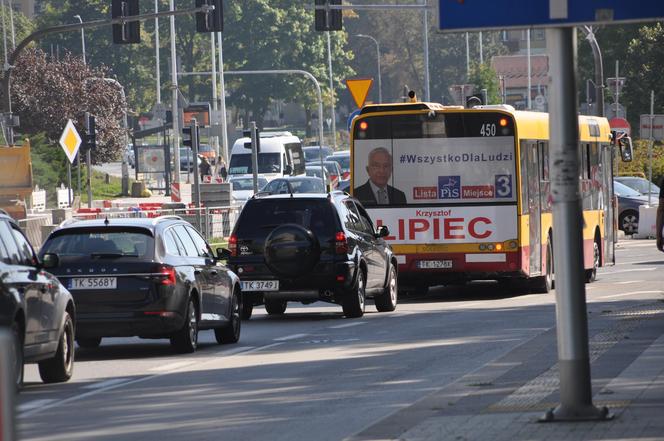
x=22 y=28
x=483 y=76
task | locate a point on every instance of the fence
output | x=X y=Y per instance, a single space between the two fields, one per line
x=214 y=223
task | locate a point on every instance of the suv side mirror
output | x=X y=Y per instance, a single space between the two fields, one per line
x=223 y=254
x=288 y=170
x=50 y=260
x=382 y=231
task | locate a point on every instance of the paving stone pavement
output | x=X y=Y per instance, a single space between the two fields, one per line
x=506 y=399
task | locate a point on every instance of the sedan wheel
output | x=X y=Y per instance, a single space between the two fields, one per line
x=186 y=339
x=387 y=300
x=60 y=368
x=629 y=222
x=353 y=302
x=230 y=333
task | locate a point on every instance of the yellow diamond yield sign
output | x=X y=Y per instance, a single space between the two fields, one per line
x=359 y=88
x=70 y=141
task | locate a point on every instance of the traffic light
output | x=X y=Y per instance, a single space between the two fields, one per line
x=190 y=136
x=212 y=21
x=127 y=33
x=474 y=100
x=90 y=141
x=328 y=19
x=247 y=134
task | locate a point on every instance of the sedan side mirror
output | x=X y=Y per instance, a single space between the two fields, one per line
x=50 y=260
x=382 y=231
x=223 y=254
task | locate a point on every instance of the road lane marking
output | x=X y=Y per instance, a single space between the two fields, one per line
x=252 y=351
x=633 y=293
x=627 y=282
x=347 y=325
x=105 y=383
x=35 y=404
x=290 y=337
x=172 y=366
x=609 y=273
x=235 y=351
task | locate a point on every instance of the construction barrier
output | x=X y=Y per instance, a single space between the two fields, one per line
x=647 y=222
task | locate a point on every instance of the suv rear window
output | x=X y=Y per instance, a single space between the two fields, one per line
x=102 y=242
x=263 y=215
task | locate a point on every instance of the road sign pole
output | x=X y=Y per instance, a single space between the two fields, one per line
x=651 y=144
x=69 y=189
x=571 y=316
x=88 y=160
x=254 y=154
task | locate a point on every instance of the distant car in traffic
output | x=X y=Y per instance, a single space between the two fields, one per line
x=295 y=184
x=642 y=185
x=36 y=307
x=151 y=278
x=187 y=161
x=629 y=201
x=343 y=159
x=242 y=188
x=206 y=151
x=313 y=152
x=310 y=247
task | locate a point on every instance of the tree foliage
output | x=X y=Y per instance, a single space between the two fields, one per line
x=47 y=92
x=483 y=76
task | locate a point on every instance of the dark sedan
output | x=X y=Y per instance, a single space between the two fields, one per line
x=629 y=201
x=36 y=307
x=151 y=278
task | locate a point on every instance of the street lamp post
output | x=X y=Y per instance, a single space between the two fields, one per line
x=380 y=88
x=82 y=37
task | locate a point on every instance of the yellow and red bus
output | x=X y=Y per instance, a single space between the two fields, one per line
x=467 y=191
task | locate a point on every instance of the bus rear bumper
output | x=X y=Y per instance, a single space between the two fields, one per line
x=452 y=267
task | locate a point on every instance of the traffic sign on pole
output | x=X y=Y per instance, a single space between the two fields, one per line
x=654 y=130
x=457 y=15
x=359 y=89
x=621 y=125
x=70 y=141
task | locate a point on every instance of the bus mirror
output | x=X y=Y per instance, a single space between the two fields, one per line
x=288 y=170
x=626 y=149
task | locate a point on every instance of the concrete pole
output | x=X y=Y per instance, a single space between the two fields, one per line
x=215 y=106
x=425 y=33
x=254 y=154
x=174 y=100
x=11 y=23
x=617 y=88
x=571 y=315
x=467 y=57
x=82 y=38
x=530 y=72
x=7 y=386
x=332 y=110
x=380 y=86
x=599 y=71
x=651 y=144
x=156 y=51
x=481 y=49
x=4 y=33
x=222 y=91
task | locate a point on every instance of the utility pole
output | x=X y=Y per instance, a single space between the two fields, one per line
x=222 y=92
x=599 y=70
x=174 y=99
x=530 y=74
x=617 y=89
x=425 y=32
x=467 y=57
x=213 y=56
x=156 y=50
x=333 y=113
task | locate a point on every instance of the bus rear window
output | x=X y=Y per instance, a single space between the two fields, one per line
x=434 y=158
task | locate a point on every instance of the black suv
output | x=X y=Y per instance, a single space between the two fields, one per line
x=37 y=308
x=309 y=247
x=151 y=278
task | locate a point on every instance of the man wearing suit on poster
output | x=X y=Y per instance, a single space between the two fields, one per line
x=376 y=191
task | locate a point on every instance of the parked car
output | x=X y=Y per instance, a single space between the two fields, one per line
x=295 y=184
x=343 y=158
x=35 y=306
x=151 y=278
x=187 y=161
x=242 y=188
x=642 y=185
x=310 y=247
x=313 y=152
x=629 y=201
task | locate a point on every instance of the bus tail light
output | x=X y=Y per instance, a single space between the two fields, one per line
x=340 y=243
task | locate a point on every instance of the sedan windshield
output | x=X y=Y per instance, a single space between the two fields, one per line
x=624 y=191
x=640 y=185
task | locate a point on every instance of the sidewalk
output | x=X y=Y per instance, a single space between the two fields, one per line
x=505 y=399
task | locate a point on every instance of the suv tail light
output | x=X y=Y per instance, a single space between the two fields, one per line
x=232 y=245
x=167 y=275
x=340 y=243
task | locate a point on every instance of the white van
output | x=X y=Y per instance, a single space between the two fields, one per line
x=280 y=154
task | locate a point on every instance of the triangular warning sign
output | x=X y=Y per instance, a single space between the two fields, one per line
x=359 y=89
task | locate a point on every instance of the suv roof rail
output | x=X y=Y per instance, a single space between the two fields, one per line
x=165 y=217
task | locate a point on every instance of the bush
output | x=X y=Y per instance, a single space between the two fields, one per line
x=640 y=162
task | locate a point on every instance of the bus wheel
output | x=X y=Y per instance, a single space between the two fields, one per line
x=544 y=284
x=591 y=274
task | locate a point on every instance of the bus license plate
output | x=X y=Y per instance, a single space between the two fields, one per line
x=260 y=285
x=434 y=264
x=93 y=283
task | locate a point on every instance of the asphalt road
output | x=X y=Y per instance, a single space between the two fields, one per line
x=310 y=374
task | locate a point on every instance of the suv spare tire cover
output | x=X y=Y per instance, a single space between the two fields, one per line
x=291 y=250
